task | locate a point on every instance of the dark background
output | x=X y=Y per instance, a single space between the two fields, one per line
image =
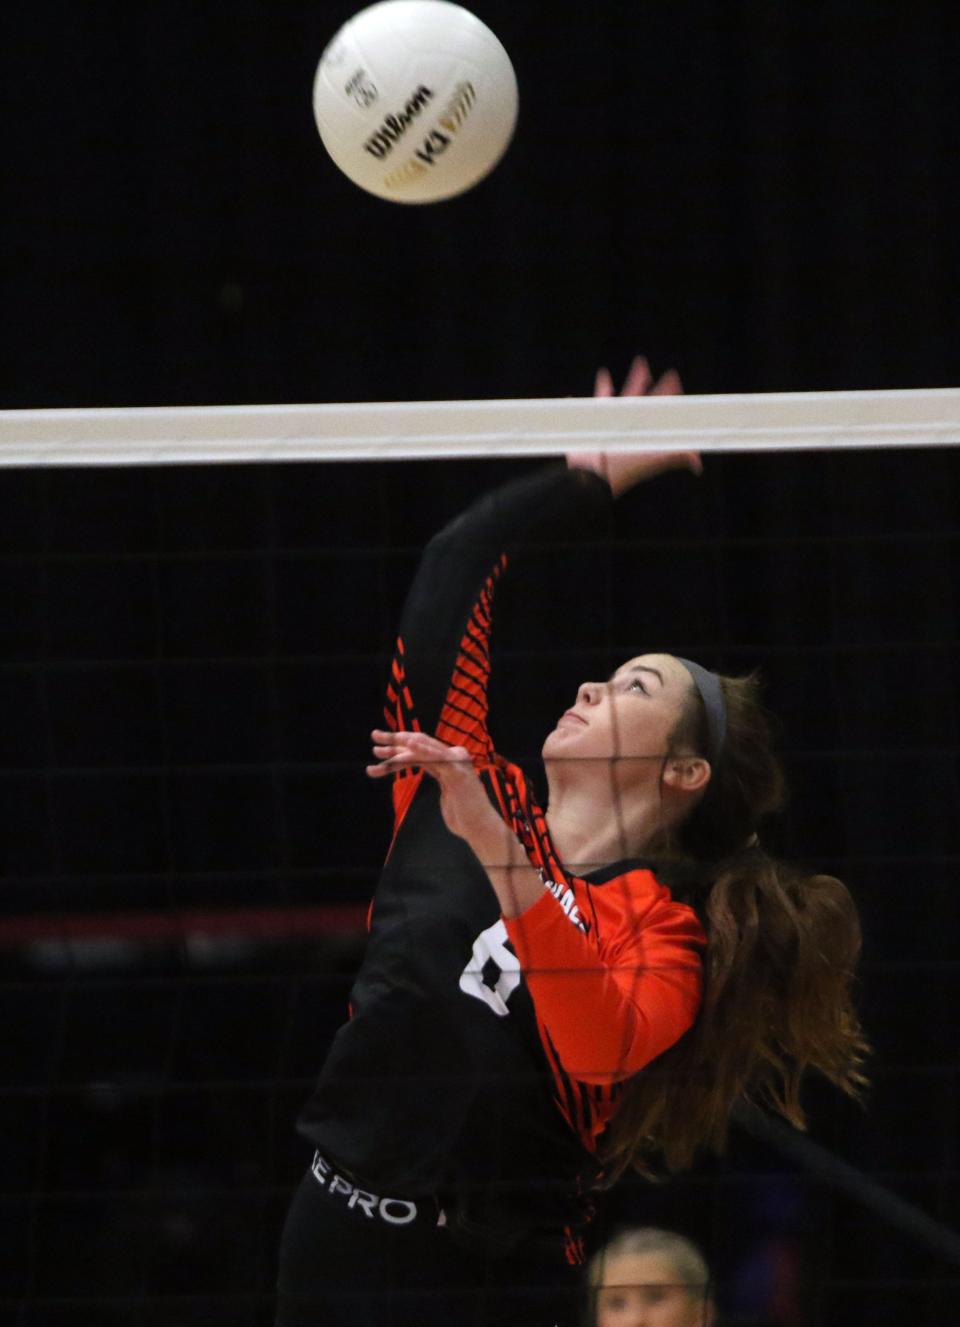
x=762 y=194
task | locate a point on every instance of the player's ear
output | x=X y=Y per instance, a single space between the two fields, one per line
x=687 y=774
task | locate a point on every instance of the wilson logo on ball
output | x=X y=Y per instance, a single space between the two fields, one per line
x=394 y=127
x=436 y=143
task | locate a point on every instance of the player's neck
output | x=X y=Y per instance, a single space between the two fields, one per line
x=591 y=827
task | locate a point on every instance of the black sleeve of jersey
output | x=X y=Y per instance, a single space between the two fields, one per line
x=555 y=503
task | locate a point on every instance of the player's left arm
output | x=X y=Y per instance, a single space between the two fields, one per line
x=611 y=1006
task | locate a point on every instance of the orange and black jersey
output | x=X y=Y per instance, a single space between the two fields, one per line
x=484 y=1056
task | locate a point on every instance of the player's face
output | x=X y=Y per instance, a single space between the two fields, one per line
x=641 y=1290
x=629 y=716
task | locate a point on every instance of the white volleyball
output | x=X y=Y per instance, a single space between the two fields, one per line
x=415 y=100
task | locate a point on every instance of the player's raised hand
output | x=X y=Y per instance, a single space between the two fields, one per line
x=623 y=470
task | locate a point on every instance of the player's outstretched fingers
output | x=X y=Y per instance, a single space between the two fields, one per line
x=396 y=751
x=603 y=383
x=668 y=385
x=638 y=378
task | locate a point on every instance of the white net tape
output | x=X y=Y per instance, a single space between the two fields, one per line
x=790 y=421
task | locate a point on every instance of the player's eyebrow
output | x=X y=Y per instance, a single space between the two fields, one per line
x=643 y=668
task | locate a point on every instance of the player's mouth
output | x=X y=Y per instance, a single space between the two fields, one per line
x=572 y=716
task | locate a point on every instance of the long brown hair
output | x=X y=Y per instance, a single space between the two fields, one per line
x=778 y=971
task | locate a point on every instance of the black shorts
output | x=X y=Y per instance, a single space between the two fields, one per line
x=352 y=1258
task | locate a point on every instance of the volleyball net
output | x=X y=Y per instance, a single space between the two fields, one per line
x=411 y=430
x=200 y=609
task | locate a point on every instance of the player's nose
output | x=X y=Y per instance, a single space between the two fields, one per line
x=588 y=693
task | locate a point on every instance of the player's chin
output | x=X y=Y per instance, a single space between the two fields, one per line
x=559 y=742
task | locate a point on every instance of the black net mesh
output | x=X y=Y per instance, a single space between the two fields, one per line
x=192 y=660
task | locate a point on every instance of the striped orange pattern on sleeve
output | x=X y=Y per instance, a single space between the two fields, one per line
x=463 y=719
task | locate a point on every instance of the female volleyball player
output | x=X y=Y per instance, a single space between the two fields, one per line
x=551 y=995
x=648 y=1277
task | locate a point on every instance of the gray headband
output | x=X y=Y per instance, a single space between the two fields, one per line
x=711 y=693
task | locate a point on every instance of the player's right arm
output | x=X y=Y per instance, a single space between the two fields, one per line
x=441 y=667
x=446 y=623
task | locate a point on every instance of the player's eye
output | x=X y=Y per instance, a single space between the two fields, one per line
x=637 y=685
x=614 y=1301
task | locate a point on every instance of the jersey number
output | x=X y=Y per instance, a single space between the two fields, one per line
x=492 y=973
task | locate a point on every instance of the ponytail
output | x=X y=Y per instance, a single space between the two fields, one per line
x=782 y=948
